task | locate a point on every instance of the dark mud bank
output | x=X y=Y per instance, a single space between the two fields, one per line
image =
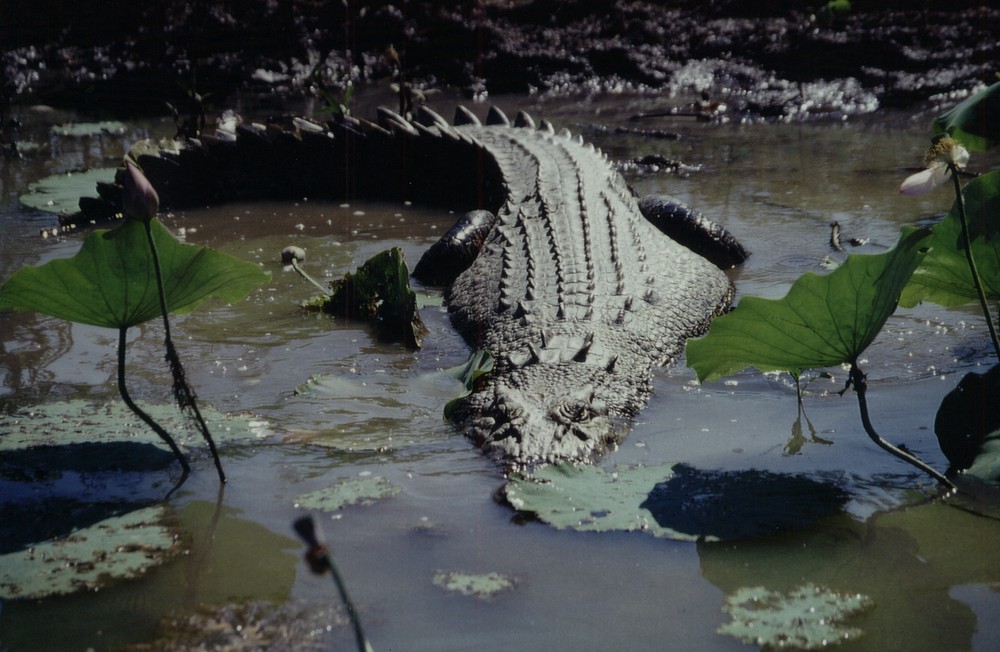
x=790 y=59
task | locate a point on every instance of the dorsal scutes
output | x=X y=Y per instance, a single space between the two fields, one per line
x=463 y=116
x=496 y=117
x=395 y=122
x=429 y=118
x=523 y=120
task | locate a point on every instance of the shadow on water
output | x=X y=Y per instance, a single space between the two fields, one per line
x=740 y=504
x=50 y=491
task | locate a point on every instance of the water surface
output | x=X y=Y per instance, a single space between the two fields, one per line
x=374 y=409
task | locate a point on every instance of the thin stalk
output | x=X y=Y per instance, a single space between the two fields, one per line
x=319 y=559
x=858 y=379
x=183 y=393
x=148 y=420
x=967 y=242
x=301 y=272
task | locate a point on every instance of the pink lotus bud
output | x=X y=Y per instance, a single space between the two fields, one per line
x=139 y=198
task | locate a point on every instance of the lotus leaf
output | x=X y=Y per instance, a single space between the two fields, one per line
x=807 y=618
x=363 y=491
x=943 y=277
x=111 y=281
x=116 y=548
x=974 y=122
x=61 y=193
x=587 y=499
x=987 y=463
x=480 y=586
x=84 y=422
x=822 y=321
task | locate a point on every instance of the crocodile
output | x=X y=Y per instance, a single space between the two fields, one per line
x=564 y=279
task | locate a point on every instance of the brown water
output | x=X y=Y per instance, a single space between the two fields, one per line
x=932 y=569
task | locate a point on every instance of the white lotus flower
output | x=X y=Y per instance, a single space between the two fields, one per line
x=942 y=157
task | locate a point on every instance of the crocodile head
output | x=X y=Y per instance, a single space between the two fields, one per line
x=528 y=422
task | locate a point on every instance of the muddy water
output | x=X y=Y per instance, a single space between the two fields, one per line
x=373 y=409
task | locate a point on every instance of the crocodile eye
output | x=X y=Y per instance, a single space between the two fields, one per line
x=575 y=412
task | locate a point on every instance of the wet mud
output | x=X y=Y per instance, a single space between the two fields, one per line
x=788 y=60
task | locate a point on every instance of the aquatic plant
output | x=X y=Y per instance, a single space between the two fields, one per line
x=129 y=275
x=831 y=320
x=378 y=291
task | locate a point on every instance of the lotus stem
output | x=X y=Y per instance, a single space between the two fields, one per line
x=301 y=272
x=860 y=382
x=967 y=242
x=320 y=561
x=148 y=420
x=183 y=393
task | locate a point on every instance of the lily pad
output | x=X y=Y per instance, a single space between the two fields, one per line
x=116 y=548
x=807 y=618
x=481 y=586
x=61 y=193
x=975 y=122
x=111 y=281
x=822 y=321
x=85 y=422
x=363 y=491
x=943 y=276
x=588 y=499
x=80 y=129
x=674 y=501
x=986 y=466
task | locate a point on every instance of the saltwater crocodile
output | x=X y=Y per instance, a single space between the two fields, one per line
x=574 y=291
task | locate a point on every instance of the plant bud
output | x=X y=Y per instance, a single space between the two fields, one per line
x=139 y=198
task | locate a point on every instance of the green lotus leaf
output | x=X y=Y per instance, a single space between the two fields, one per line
x=822 y=321
x=72 y=423
x=588 y=499
x=61 y=193
x=975 y=122
x=111 y=281
x=807 y=618
x=362 y=491
x=482 y=586
x=943 y=277
x=987 y=463
x=118 y=547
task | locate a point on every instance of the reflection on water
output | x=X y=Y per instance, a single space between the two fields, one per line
x=373 y=407
x=906 y=560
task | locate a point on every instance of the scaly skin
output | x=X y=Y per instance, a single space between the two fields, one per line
x=577 y=295
x=574 y=292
